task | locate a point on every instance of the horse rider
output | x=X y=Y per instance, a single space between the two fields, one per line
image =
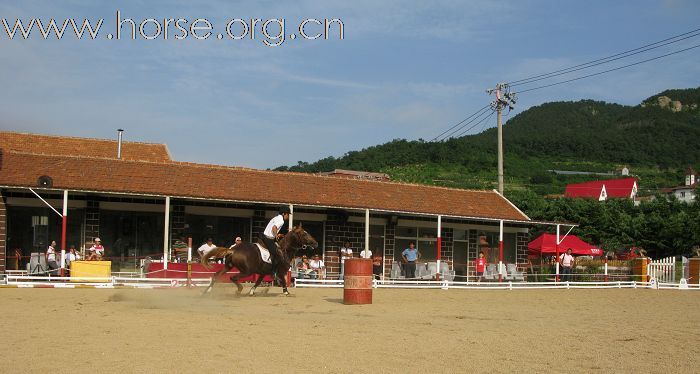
x=273 y=233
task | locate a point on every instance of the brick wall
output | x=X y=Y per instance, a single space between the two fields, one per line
x=472 y=251
x=337 y=232
x=447 y=246
x=177 y=219
x=259 y=224
x=92 y=220
x=521 y=240
x=389 y=248
x=3 y=234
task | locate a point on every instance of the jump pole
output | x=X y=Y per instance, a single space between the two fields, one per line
x=606 y=268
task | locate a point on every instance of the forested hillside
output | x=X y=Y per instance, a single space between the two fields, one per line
x=655 y=141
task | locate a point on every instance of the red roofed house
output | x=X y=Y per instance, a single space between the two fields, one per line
x=142 y=202
x=625 y=188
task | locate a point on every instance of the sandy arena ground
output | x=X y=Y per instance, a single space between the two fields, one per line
x=404 y=331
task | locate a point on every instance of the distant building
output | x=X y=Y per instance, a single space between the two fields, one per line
x=625 y=188
x=687 y=191
x=352 y=174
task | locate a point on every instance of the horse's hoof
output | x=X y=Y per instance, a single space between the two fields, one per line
x=286 y=293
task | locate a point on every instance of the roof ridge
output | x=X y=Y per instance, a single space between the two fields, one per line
x=85 y=157
x=78 y=137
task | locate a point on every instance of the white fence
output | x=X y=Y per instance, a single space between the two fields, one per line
x=663 y=270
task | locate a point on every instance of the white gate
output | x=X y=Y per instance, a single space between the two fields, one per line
x=663 y=270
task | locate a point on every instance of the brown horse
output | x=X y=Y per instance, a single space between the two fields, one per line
x=247 y=259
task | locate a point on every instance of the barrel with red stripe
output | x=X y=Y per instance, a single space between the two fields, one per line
x=358 y=281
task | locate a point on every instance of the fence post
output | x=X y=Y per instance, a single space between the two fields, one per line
x=606 y=268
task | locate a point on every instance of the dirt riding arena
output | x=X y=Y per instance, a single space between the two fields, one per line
x=404 y=331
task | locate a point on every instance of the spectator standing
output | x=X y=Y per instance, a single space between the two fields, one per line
x=51 y=259
x=377 y=263
x=206 y=247
x=180 y=248
x=410 y=255
x=317 y=267
x=567 y=261
x=345 y=252
x=481 y=264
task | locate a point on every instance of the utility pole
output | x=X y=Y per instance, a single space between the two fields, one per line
x=504 y=98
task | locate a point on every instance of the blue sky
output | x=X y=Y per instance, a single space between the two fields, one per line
x=406 y=69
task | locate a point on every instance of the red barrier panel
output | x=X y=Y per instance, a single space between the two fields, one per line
x=178 y=270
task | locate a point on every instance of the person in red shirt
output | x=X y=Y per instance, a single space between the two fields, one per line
x=481 y=266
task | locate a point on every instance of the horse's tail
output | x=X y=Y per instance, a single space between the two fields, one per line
x=217 y=252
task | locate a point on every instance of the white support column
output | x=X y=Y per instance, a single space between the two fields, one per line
x=291 y=216
x=500 y=251
x=556 y=260
x=366 y=231
x=166 y=233
x=439 y=246
x=64 y=226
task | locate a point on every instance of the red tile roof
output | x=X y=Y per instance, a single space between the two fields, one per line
x=615 y=188
x=66 y=145
x=240 y=184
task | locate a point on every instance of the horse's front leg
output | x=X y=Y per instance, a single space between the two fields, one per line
x=282 y=278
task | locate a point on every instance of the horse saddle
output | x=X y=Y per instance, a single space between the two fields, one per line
x=264 y=253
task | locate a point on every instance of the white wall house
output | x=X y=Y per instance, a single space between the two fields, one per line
x=687 y=192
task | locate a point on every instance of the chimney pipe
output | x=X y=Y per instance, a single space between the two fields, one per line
x=119 y=143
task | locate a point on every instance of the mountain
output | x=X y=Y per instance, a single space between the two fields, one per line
x=656 y=140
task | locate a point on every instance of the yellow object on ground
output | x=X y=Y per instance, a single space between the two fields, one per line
x=90 y=269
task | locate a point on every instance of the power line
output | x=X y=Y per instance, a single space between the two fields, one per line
x=607 y=59
x=609 y=70
x=571 y=70
x=478 y=112
x=484 y=120
x=453 y=132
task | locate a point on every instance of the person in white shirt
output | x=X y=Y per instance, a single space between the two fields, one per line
x=237 y=241
x=206 y=247
x=366 y=253
x=51 y=258
x=97 y=250
x=567 y=263
x=272 y=234
x=318 y=267
x=345 y=252
x=71 y=256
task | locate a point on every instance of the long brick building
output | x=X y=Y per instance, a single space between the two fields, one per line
x=124 y=200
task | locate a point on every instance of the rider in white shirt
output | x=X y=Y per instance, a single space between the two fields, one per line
x=272 y=234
